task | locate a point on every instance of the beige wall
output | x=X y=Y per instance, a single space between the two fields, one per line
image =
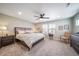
x=37 y=28
x=11 y=22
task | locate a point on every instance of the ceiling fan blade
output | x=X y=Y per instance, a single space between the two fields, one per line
x=45 y=17
x=43 y=14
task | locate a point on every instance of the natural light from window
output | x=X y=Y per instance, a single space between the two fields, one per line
x=45 y=28
x=77 y=22
x=49 y=28
x=52 y=26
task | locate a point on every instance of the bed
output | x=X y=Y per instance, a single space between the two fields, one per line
x=27 y=37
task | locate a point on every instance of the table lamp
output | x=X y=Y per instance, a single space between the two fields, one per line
x=2 y=29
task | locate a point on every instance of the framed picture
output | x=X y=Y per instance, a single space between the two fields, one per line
x=60 y=27
x=66 y=27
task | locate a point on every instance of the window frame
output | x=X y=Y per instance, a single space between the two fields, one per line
x=77 y=22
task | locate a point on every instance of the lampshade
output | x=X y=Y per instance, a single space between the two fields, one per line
x=3 y=28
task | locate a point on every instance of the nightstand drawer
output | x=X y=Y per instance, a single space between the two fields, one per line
x=7 y=40
x=4 y=43
x=10 y=37
x=0 y=42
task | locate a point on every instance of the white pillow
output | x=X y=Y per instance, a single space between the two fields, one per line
x=20 y=32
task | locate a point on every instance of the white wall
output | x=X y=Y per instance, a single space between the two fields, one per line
x=11 y=22
x=75 y=27
x=58 y=23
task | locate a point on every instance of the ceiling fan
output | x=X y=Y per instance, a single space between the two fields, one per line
x=68 y=4
x=41 y=16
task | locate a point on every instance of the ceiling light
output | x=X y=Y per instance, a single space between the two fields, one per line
x=40 y=19
x=19 y=13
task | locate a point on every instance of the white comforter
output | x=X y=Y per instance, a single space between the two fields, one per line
x=30 y=38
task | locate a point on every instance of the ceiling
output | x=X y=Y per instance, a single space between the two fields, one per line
x=29 y=10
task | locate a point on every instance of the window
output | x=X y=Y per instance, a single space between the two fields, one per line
x=49 y=28
x=45 y=28
x=52 y=28
x=77 y=22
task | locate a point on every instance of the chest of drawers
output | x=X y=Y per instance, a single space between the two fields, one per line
x=6 y=40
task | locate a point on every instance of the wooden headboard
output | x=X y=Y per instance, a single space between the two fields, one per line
x=16 y=29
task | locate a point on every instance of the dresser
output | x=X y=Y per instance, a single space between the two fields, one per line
x=6 y=40
x=0 y=42
x=74 y=42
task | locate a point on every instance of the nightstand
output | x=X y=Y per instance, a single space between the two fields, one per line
x=50 y=36
x=6 y=40
x=0 y=42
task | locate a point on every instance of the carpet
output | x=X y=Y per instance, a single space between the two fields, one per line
x=46 y=47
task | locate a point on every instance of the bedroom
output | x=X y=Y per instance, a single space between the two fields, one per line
x=42 y=24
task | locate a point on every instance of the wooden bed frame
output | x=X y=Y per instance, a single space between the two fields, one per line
x=22 y=42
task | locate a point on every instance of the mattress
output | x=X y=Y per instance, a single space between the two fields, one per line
x=30 y=38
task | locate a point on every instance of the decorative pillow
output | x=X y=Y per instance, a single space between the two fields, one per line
x=26 y=32
x=20 y=32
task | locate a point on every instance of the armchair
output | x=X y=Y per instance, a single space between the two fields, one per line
x=65 y=37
